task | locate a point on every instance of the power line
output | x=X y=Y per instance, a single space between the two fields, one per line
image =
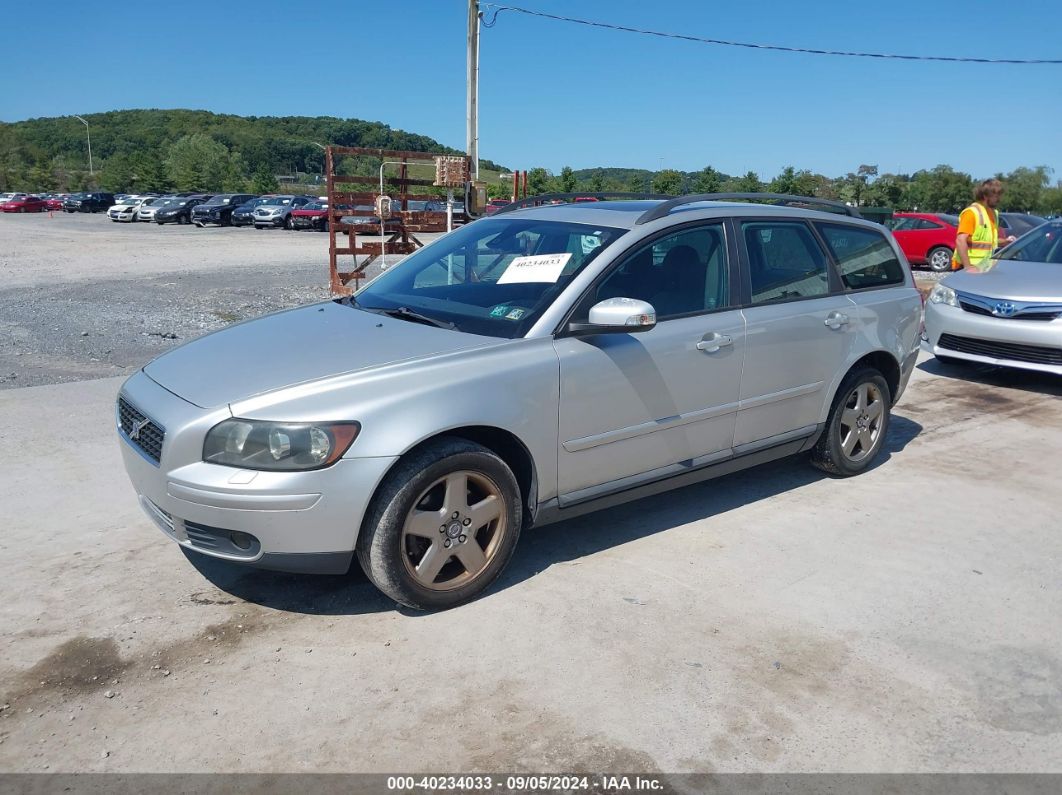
x=496 y=9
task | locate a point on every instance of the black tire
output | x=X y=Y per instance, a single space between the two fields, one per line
x=289 y=224
x=182 y=220
x=939 y=259
x=381 y=545
x=828 y=453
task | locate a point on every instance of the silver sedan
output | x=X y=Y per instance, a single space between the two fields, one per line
x=1009 y=315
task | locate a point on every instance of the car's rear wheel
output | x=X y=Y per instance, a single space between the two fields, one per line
x=939 y=259
x=857 y=425
x=442 y=526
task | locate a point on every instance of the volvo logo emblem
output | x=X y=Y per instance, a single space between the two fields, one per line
x=137 y=428
x=1004 y=309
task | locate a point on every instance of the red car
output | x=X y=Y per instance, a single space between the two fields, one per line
x=24 y=204
x=54 y=202
x=312 y=216
x=926 y=238
x=494 y=205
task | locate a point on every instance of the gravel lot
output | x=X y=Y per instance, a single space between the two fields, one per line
x=84 y=297
x=775 y=620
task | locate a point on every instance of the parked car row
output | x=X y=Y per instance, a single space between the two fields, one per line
x=289 y=211
x=929 y=238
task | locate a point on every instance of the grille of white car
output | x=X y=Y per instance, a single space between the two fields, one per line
x=1017 y=352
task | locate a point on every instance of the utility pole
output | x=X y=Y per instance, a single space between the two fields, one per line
x=89 y=137
x=472 y=104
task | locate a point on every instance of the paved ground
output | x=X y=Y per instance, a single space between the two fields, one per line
x=84 y=297
x=906 y=620
x=775 y=620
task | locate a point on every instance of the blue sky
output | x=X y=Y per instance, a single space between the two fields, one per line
x=554 y=94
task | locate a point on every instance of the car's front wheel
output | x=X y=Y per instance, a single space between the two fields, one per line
x=939 y=259
x=442 y=526
x=857 y=425
x=289 y=224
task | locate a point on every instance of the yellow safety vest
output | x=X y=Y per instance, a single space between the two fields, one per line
x=983 y=241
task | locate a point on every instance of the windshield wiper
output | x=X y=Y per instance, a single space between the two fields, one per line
x=405 y=313
x=401 y=312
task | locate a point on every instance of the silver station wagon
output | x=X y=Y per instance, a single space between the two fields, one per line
x=531 y=366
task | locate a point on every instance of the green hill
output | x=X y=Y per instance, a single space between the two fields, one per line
x=156 y=149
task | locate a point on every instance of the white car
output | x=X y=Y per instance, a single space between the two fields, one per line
x=147 y=210
x=126 y=209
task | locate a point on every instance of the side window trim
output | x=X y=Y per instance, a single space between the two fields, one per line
x=835 y=286
x=733 y=271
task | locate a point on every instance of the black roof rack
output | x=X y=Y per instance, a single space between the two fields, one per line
x=782 y=199
x=534 y=201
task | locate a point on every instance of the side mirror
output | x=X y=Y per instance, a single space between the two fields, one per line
x=617 y=316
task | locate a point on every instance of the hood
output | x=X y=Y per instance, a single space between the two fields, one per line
x=1012 y=279
x=293 y=347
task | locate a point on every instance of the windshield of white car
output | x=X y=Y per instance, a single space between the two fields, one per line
x=279 y=200
x=493 y=277
x=1043 y=244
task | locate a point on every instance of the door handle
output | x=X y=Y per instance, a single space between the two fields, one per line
x=835 y=320
x=713 y=342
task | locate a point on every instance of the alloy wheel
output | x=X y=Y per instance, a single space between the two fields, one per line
x=940 y=260
x=861 y=421
x=454 y=530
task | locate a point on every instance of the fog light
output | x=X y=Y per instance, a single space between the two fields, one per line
x=241 y=540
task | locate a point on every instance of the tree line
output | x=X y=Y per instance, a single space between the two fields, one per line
x=158 y=150
x=939 y=189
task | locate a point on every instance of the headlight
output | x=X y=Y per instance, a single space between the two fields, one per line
x=278 y=446
x=943 y=295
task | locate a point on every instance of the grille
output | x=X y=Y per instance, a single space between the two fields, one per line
x=1041 y=315
x=149 y=439
x=1034 y=354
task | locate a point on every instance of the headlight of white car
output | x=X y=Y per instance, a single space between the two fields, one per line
x=278 y=446
x=943 y=295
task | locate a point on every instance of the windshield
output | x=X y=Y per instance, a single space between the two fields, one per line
x=218 y=200
x=279 y=200
x=1043 y=244
x=315 y=206
x=493 y=277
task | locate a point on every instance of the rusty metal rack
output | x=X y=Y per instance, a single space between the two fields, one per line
x=363 y=190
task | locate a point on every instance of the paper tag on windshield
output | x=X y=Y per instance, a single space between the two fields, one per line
x=539 y=268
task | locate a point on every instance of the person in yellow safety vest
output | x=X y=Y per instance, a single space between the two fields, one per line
x=978 y=234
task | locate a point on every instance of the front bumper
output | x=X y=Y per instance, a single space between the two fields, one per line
x=1026 y=344
x=276 y=220
x=115 y=215
x=291 y=521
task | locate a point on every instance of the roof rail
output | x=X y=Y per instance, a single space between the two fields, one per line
x=532 y=201
x=782 y=199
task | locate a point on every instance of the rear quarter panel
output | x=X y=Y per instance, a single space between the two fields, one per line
x=887 y=319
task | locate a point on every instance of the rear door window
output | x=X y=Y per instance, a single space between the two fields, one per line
x=863 y=256
x=785 y=261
